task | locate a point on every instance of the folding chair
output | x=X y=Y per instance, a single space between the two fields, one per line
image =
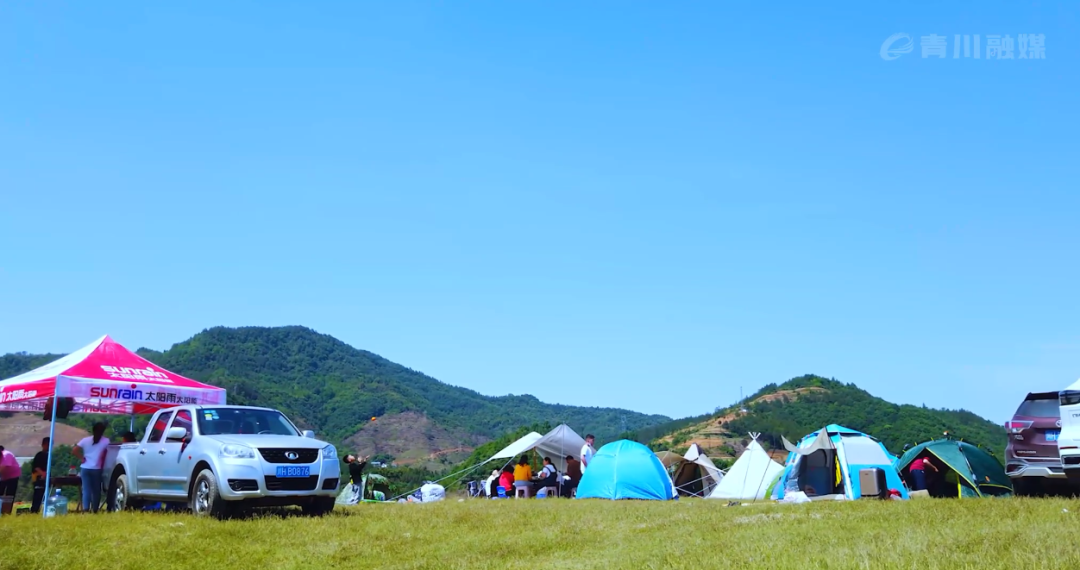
x=502 y=492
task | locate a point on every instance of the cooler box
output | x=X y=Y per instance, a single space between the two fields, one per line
x=872 y=482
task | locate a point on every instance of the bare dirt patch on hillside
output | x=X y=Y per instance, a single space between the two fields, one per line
x=21 y=434
x=413 y=439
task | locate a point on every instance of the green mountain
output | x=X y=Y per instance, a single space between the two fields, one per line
x=335 y=389
x=804 y=404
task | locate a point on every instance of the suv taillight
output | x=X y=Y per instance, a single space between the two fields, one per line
x=1016 y=426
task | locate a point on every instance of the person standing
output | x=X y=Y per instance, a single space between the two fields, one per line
x=92 y=451
x=918 y=472
x=354 y=492
x=573 y=473
x=37 y=475
x=10 y=471
x=356 y=468
x=587 y=452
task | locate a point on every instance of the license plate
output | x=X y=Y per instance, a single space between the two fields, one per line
x=283 y=472
x=1052 y=435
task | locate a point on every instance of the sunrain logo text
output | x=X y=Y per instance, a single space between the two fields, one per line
x=966 y=46
x=134 y=394
x=116 y=393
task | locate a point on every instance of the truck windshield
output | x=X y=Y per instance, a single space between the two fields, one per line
x=233 y=421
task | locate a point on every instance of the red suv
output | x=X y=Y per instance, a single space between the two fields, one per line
x=1031 y=456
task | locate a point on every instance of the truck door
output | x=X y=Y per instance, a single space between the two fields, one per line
x=147 y=470
x=173 y=464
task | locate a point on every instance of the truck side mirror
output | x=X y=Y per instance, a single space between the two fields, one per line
x=309 y=433
x=176 y=433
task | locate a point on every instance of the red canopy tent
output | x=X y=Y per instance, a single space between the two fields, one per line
x=103 y=378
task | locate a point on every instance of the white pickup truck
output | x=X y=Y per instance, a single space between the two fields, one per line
x=222 y=459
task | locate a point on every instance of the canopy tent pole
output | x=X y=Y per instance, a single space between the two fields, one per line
x=439 y=480
x=48 y=462
x=764 y=473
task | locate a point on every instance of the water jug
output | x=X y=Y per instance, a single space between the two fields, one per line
x=56 y=505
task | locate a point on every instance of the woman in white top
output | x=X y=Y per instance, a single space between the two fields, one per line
x=92 y=450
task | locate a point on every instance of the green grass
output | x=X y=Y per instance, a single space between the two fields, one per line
x=1002 y=533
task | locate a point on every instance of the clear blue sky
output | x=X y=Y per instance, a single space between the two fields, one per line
x=608 y=203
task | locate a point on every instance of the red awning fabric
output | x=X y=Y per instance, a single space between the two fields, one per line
x=105 y=378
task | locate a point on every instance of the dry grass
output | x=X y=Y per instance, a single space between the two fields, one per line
x=1004 y=533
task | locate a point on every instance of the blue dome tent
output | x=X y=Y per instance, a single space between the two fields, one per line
x=827 y=463
x=625 y=470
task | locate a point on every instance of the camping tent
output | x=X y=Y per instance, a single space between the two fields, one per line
x=102 y=378
x=977 y=473
x=556 y=444
x=827 y=462
x=750 y=476
x=694 y=474
x=625 y=470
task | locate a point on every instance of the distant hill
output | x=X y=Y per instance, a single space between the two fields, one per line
x=804 y=404
x=335 y=389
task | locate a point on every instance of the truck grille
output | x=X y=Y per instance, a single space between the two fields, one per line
x=277 y=455
x=291 y=483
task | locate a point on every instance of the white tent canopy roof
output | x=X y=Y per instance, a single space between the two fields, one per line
x=520 y=446
x=750 y=476
x=556 y=444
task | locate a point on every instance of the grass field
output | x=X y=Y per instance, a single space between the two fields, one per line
x=1001 y=533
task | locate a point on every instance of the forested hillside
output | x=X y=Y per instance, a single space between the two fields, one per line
x=804 y=404
x=335 y=389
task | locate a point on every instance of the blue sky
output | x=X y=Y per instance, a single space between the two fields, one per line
x=619 y=204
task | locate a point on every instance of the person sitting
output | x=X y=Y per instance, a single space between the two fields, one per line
x=547 y=477
x=506 y=480
x=523 y=473
x=128 y=437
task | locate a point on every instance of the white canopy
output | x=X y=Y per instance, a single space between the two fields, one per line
x=750 y=476
x=518 y=447
x=556 y=444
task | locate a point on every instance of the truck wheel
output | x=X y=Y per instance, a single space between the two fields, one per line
x=205 y=499
x=318 y=507
x=119 y=497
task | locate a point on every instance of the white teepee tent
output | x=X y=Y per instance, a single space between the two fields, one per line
x=750 y=476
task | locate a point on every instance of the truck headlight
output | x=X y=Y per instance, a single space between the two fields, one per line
x=329 y=452
x=237 y=451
